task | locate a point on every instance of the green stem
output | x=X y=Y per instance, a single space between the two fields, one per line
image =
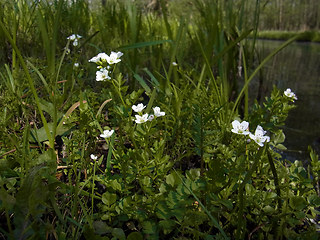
x=246 y=92
x=276 y=183
x=241 y=221
x=14 y=58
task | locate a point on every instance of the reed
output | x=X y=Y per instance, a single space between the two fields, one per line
x=157 y=148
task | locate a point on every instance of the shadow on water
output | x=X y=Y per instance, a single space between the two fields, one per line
x=296 y=67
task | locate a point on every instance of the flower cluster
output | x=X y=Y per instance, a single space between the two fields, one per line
x=146 y=117
x=103 y=58
x=290 y=94
x=104 y=61
x=243 y=129
x=75 y=38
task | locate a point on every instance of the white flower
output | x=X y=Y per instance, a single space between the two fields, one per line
x=141 y=119
x=290 y=94
x=138 y=108
x=75 y=42
x=240 y=128
x=259 y=137
x=151 y=117
x=114 y=57
x=93 y=157
x=100 y=57
x=107 y=133
x=157 y=112
x=174 y=64
x=76 y=64
x=102 y=74
x=74 y=37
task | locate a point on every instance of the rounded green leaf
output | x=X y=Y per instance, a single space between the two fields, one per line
x=109 y=198
x=135 y=236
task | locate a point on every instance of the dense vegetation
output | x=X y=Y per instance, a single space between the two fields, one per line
x=157 y=142
x=287 y=15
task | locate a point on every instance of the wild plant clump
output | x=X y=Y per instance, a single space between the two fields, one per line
x=94 y=148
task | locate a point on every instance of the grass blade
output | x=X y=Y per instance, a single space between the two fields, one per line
x=257 y=70
x=144 y=44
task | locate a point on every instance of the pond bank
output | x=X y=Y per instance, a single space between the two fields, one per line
x=296 y=67
x=305 y=36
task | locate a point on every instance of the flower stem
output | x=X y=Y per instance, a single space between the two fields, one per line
x=241 y=221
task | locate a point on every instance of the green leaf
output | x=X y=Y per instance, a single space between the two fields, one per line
x=109 y=198
x=268 y=209
x=297 y=203
x=142 y=83
x=279 y=137
x=6 y=199
x=167 y=225
x=89 y=234
x=314 y=200
x=154 y=81
x=162 y=211
x=108 y=168
x=227 y=203
x=300 y=215
x=115 y=185
x=40 y=135
x=118 y=233
x=48 y=158
x=173 y=179
x=281 y=147
x=149 y=227
x=151 y=100
x=101 y=227
x=193 y=174
x=135 y=236
x=250 y=189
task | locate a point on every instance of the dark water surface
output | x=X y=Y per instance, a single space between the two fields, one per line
x=296 y=67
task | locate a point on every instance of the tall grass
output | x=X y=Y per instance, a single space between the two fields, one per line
x=182 y=174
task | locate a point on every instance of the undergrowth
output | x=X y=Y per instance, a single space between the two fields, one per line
x=123 y=123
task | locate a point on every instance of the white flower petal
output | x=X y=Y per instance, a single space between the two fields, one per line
x=75 y=42
x=100 y=57
x=107 y=133
x=141 y=119
x=114 y=57
x=290 y=94
x=244 y=125
x=138 y=108
x=157 y=112
x=102 y=74
x=240 y=128
x=259 y=137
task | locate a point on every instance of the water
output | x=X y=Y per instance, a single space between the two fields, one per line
x=296 y=67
